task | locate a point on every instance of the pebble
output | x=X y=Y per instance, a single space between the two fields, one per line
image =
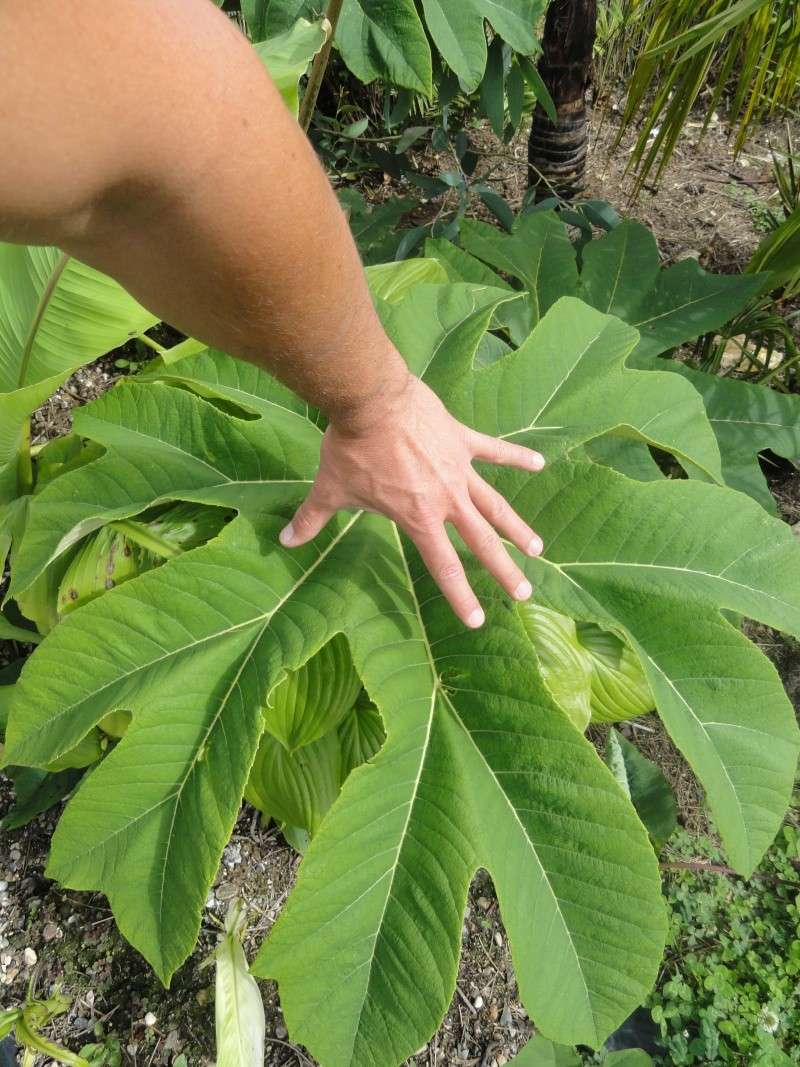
x=484 y=903
x=51 y=932
x=477 y=1003
x=30 y=957
x=150 y=1020
x=506 y=1018
x=281 y=1032
x=498 y=938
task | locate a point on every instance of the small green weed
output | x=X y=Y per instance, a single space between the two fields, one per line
x=731 y=995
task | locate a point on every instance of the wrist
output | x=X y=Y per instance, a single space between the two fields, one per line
x=357 y=415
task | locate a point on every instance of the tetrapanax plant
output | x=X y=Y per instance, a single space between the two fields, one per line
x=480 y=766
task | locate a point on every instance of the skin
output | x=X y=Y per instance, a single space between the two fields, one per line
x=144 y=138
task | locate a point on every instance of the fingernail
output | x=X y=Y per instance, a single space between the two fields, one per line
x=535 y=546
x=286 y=535
x=523 y=590
x=476 y=618
x=537 y=461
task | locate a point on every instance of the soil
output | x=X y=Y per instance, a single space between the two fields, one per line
x=707 y=204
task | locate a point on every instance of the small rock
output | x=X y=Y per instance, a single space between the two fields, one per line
x=172 y=1042
x=477 y=1003
x=281 y=1032
x=498 y=938
x=203 y=996
x=30 y=957
x=150 y=1020
x=501 y=1060
x=3 y=887
x=506 y=1018
x=88 y=997
x=484 y=903
x=227 y=891
x=51 y=932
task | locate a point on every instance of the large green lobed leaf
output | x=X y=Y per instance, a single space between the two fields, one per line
x=621 y=274
x=480 y=766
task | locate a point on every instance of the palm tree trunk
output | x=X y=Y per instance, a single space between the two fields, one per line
x=557 y=150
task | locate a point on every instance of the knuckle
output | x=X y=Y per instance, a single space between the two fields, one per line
x=488 y=542
x=499 y=509
x=303 y=520
x=449 y=572
x=424 y=516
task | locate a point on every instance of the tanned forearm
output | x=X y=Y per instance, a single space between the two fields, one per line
x=177 y=169
x=145 y=138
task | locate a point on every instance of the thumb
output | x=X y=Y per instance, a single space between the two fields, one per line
x=307 y=522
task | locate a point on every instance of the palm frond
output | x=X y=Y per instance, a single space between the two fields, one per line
x=746 y=51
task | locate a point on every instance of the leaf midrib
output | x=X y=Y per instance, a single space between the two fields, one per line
x=719 y=577
x=435 y=690
x=41 y=308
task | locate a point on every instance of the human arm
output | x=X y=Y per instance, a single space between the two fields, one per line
x=144 y=137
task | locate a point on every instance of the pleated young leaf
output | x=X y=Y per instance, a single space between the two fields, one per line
x=361 y=735
x=313 y=701
x=296 y=788
x=480 y=767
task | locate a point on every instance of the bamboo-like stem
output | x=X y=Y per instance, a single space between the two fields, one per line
x=319 y=66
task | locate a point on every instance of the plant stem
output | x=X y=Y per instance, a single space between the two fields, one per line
x=318 y=67
x=151 y=343
x=146 y=539
x=24 y=463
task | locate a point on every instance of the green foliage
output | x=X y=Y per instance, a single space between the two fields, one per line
x=55 y=314
x=621 y=274
x=647 y=787
x=287 y=55
x=539 y=1052
x=104 y=1051
x=747 y=49
x=593 y=674
x=27 y=1023
x=778 y=256
x=314 y=700
x=731 y=990
x=480 y=766
x=387 y=39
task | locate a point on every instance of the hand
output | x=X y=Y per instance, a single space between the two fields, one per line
x=412 y=461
